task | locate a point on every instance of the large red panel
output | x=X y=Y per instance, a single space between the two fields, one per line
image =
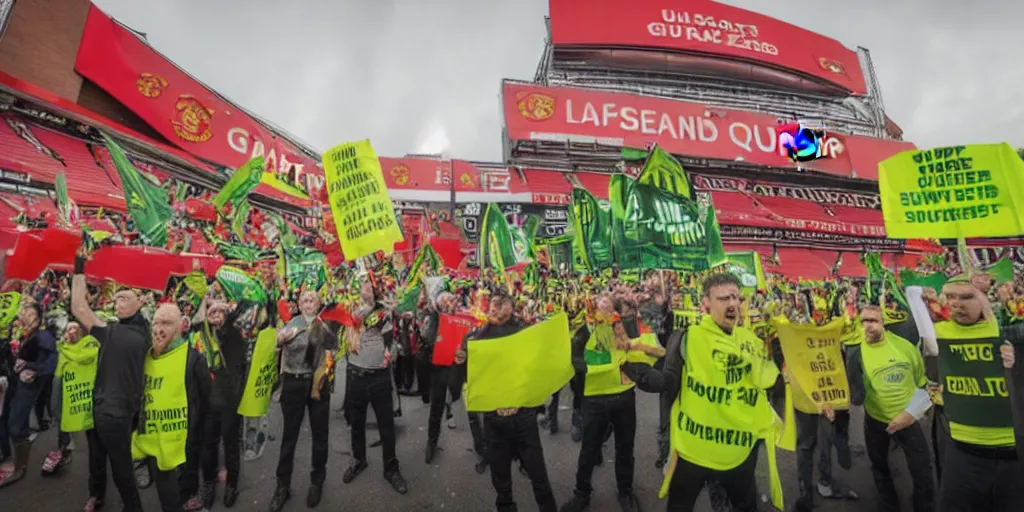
x=540 y=113
x=705 y=27
x=179 y=107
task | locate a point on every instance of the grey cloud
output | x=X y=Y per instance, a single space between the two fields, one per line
x=333 y=71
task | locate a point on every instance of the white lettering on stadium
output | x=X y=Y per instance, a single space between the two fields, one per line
x=706 y=29
x=680 y=127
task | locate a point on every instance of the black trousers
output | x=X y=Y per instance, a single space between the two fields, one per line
x=507 y=437
x=919 y=459
x=188 y=473
x=43 y=405
x=600 y=412
x=295 y=401
x=424 y=378
x=442 y=384
x=224 y=425
x=366 y=388
x=739 y=484
x=405 y=372
x=111 y=439
x=167 y=488
x=476 y=429
x=971 y=483
x=810 y=429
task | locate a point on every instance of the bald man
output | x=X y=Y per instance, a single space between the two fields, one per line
x=177 y=391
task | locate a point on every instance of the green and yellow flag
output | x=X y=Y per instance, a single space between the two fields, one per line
x=148 y=205
x=242 y=182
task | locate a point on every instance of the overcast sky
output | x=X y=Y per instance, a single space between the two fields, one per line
x=415 y=74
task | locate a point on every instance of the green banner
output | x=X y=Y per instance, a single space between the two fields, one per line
x=592 y=226
x=148 y=205
x=242 y=182
x=238 y=285
x=495 y=249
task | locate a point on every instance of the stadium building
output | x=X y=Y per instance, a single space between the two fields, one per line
x=709 y=83
x=68 y=71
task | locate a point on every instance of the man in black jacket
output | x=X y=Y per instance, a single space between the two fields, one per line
x=117 y=393
x=511 y=432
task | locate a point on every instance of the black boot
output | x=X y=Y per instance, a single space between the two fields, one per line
x=357 y=466
x=230 y=494
x=281 y=496
x=394 y=476
x=431 y=452
x=313 y=496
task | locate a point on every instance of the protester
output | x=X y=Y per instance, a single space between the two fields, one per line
x=117 y=392
x=514 y=431
x=886 y=375
x=177 y=394
x=980 y=471
x=714 y=439
x=370 y=345
x=36 y=361
x=306 y=348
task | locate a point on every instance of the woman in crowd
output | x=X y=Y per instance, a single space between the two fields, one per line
x=36 y=362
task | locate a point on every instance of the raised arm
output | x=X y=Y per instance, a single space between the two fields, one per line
x=79 y=290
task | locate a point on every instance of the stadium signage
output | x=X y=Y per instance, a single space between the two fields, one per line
x=712 y=28
x=816 y=194
x=565 y=114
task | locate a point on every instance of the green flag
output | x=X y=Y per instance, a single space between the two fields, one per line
x=240 y=218
x=147 y=203
x=242 y=182
x=592 y=225
x=663 y=171
x=63 y=202
x=495 y=249
x=239 y=285
x=427 y=262
x=934 y=281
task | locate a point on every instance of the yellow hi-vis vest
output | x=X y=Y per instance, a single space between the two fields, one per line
x=77 y=371
x=605 y=378
x=164 y=429
x=975 y=396
x=722 y=408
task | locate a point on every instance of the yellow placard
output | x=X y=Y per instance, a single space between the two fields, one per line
x=953 y=192
x=10 y=302
x=362 y=209
x=815 y=360
x=521 y=370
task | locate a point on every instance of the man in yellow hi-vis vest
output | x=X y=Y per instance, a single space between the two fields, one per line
x=980 y=470
x=718 y=376
x=175 y=397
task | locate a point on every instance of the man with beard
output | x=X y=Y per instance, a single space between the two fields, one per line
x=177 y=391
x=713 y=438
x=305 y=344
x=981 y=470
x=117 y=391
x=511 y=432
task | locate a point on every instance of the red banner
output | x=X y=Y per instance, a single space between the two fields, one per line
x=181 y=109
x=705 y=27
x=560 y=113
x=140 y=267
x=450 y=333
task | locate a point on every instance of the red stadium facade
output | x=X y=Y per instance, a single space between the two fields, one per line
x=710 y=83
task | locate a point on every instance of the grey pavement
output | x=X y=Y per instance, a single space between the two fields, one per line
x=449 y=484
